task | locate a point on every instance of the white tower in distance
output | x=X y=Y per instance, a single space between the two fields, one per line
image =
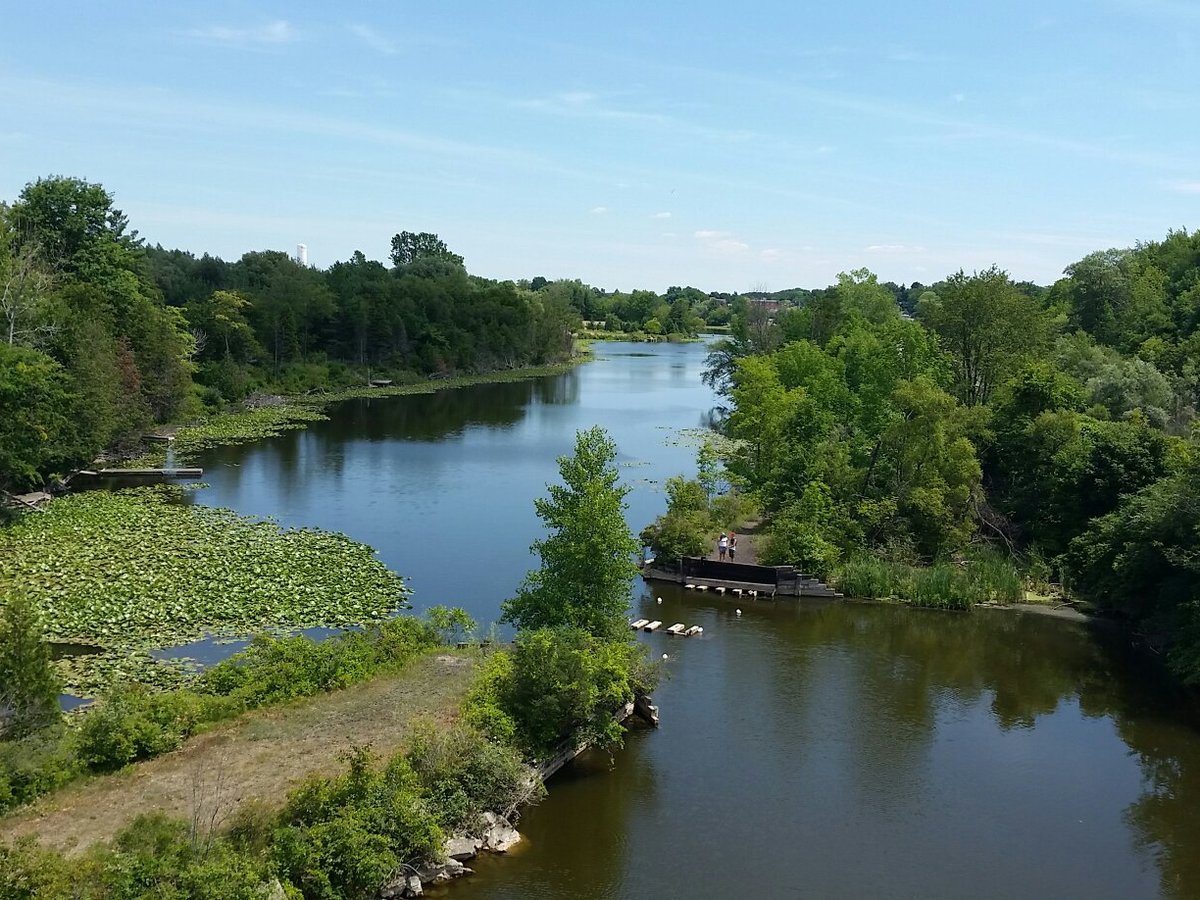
x=302 y=254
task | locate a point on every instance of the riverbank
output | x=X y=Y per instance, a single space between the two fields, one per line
x=270 y=415
x=254 y=759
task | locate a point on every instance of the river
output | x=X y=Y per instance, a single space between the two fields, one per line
x=807 y=749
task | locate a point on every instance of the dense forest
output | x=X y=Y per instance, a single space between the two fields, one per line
x=1050 y=426
x=105 y=336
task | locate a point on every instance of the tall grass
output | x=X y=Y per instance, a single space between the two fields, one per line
x=942 y=586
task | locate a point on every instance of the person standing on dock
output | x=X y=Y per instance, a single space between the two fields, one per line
x=732 y=546
x=722 y=546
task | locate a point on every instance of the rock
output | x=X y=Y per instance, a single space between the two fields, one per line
x=498 y=834
x=440 y=873
x=402 y=885
x=273 y=890
x=461 y=848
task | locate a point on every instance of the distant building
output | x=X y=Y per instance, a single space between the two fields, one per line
x=302 y=254
x=770 y=304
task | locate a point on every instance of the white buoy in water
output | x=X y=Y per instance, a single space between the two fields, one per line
x=739 y=612
x=664 y=656
x=660 y=599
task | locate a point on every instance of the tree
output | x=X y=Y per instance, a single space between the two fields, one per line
x=24 y=288
x=36 y=416
x=587 y=565
x=989 y=327
x=409 y=246
x=28 y=686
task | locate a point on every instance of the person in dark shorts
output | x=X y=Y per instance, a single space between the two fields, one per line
x=722 y=546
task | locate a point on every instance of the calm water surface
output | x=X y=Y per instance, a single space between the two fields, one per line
x=807 y=749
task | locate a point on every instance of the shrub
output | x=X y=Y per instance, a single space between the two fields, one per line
x=34 y=766
x=559 y=683
x=463 y=774
x=28 y=686
x=342 y=836
x=131 y=724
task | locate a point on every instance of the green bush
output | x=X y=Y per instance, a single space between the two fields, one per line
x=463 y=774
x=132 y=723
x=274 y=670
x=34 y=766
x=343 y=836
x=559 y=683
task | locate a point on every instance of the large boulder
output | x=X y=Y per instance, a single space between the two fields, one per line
x=461 y=848
x=440 y=873
x=498 y=835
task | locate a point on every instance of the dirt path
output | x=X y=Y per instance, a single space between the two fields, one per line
x=259 y=756
x=745 y=550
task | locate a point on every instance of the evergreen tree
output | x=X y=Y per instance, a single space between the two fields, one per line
x=587 y=560
x=28 y=686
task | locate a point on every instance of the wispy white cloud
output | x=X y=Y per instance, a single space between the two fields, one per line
x=599 y=210
x=661 y=215
x=374 y=39
x=1185 y=187
x=274 y=33
x=771 y=254
x=723 y=243
x=578 y=104
x=894 y=248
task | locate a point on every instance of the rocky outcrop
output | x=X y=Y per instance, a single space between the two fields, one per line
x=498 y=834
x=495 y=834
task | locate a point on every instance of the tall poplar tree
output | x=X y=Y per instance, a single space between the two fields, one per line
x=587 y=565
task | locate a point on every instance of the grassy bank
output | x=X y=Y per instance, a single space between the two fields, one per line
x=941 y=586
x=133 y=570
x=244 y=426
x=290 y=793
x=132 y=723
x=637 y=337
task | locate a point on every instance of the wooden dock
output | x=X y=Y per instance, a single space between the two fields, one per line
x=696 y=574
x=652 y=626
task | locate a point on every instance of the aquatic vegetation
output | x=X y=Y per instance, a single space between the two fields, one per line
x=137 y=569
x=942 y=585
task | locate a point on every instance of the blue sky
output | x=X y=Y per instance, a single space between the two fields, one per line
x=727 y=146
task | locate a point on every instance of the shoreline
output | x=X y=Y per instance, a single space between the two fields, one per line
x=245 y=424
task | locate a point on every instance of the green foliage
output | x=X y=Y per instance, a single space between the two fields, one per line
x=134 y=569
x=587 y=566
x=453 y=624
x=37 y=764
x=558 y=683
x=37 y=432
x=132 y=723
x=463 y=774
x=943 y=586
x=343 y=836
x=1143 y=559
x=988 y=325
x=273 y=670
x=29 y=687
x=804 y=533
